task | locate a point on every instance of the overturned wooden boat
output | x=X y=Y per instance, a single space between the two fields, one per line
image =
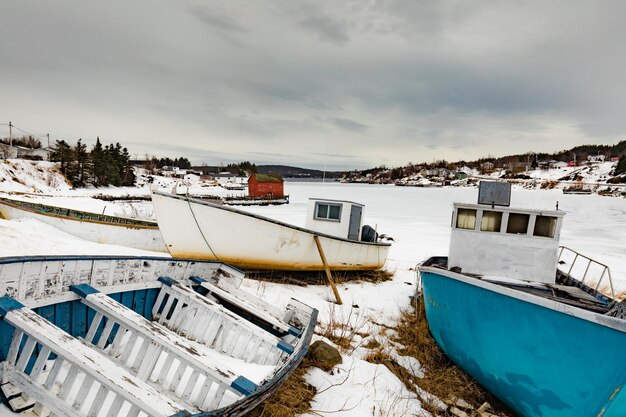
x=199 y=229
x=506 y=306
x=111 y=336
x=100 y=228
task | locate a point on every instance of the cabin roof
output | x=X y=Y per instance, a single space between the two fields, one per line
x=267 y=177
x=337 y=201
x=558 y=213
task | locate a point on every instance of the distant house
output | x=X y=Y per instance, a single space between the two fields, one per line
x=228 y=178
x=615 y=159
x=261 y=185
x=37 y=154
x=516 y=166
x=192 y=177
x=556 y=164
x=596 y=158
x=572 y=164
x=23 y=152
x=487 y=166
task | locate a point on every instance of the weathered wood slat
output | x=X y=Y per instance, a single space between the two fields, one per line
x=246 y=302
x=211 y=324
x=149 y=342
x=86 y=366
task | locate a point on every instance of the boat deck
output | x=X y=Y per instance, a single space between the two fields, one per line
x=566 y=289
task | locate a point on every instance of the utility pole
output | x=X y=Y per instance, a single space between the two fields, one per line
x=10 y=134
x=48 y=135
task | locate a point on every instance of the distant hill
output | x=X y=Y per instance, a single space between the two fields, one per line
x=284 y=171
x=295 y=172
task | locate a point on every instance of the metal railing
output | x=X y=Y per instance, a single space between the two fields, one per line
x=579 y=262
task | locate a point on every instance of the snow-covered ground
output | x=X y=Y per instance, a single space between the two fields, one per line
x=419 y=221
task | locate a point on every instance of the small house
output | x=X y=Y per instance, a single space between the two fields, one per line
x=262 y=185
x=487 y=166
x=596 y=158
x=192 y=178
x=228 y=178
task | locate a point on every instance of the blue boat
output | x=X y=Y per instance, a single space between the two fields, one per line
x=506 y=308
x=137 y=336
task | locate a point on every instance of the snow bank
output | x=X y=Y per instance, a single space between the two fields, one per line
x=20 y=175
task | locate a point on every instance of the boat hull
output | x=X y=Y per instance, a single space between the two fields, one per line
x=145 y=238
x=541 y=358
x=201 y=230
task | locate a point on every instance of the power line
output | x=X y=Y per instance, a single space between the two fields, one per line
x=40 y=137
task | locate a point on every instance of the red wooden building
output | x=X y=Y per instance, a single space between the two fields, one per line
x=262 y=185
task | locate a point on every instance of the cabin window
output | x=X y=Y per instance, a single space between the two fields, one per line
x=545 y=226
x=518 y=223
x=491 y=222
x=466 y=219
x=326 y=211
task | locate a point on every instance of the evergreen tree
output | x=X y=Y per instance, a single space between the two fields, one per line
x=97 y=164
x=62 y=153
x=81 y=160
x=128 y=176
x=621 y=166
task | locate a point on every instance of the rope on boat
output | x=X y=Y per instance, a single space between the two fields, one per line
x=200 y=229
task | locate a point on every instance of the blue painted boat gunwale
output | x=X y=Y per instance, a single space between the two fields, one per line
x=597 y=318
x=522 y=347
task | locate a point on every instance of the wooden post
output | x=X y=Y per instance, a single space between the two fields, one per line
x=327 y=269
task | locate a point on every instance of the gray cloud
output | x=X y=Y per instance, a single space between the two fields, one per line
x=219 y=21
x=328 y=29
x=392 y=81
x=347 y=124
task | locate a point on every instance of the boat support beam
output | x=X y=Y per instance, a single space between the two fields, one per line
x=327 y=269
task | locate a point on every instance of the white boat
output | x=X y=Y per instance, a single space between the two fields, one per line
x=234 y=186
x=100 y=228
x=203 y=230
x=141 y=336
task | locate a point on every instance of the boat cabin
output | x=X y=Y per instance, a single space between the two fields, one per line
x=507 y=242
x=335 y=217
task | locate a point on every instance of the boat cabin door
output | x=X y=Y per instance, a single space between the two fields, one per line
x=355 y=222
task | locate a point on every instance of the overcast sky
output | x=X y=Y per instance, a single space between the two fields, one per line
x=341 y=84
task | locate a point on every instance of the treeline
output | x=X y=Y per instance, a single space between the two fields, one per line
x=182 y=163
x=100 y=167
x=241 y=168
x=25 y=141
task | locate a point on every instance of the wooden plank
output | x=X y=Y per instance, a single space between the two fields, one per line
x=246 y=305
x=50 y=401
x=15 y=346
x=42 y=357
x=329 y=275
x=26 y=353
x=93 y=364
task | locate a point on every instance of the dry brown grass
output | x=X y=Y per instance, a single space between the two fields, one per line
x=549 y=185
x=346 y=332
x=442 y=377
x=293 y=398
x=304 y=278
